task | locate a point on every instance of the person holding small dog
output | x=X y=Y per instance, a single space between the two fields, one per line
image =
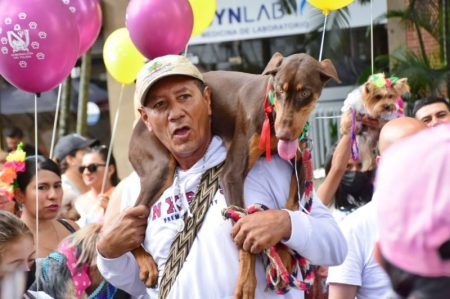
x=346 y=187
x=175 y=106
x=360 y=276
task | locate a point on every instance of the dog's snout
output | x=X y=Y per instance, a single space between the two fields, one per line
x=387 y=107
x=284 y=135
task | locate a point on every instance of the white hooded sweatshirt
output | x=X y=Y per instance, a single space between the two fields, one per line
x=212 y=266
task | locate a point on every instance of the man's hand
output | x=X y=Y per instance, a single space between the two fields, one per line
x=124 y=234
x=261 y=230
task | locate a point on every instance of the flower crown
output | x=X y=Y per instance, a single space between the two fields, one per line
x=15 y=162
x=380 y=81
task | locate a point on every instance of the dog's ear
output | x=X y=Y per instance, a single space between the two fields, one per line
x=144 y=119
x=367 y=88
x=328 y=71
x=402 y=86
x=274 y=64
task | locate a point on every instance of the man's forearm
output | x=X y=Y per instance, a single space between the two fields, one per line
x=317 y=236
x=122 y=272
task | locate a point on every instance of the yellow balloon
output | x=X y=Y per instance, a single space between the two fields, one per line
x=122 y=60
x=327 y=5
x=204 y=12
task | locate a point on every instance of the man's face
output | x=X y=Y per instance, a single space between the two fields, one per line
x=12 y=143
x=433 y=114
x=178 y=113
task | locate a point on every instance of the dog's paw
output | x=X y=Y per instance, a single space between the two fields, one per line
x=245 y=289
x=148 y=272
x=246 y=284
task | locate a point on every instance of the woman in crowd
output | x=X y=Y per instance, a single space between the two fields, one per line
x=71 y=271
x=92 y=205
x=49 y=194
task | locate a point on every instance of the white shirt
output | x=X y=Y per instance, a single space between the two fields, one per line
x=360 y=267
x=212 y=266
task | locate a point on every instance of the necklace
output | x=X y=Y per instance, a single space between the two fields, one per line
x=180 y=224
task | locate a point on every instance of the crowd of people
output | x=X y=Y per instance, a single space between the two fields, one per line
x=72 y=226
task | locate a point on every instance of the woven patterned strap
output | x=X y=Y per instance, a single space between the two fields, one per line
x=183 y=240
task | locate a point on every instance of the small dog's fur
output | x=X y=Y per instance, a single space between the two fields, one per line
x=380 y=103
x=237 y=116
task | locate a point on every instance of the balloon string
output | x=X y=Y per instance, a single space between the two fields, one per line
x=55 y=124
x=186 y=50
x=37 y=183
x=113 y=135
x=371 y=35
x=323 y=36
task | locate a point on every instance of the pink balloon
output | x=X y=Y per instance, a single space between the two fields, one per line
x=88 y=14
x=159 y=27
x=39 y=43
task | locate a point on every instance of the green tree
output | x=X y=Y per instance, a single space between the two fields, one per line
x=427 y=72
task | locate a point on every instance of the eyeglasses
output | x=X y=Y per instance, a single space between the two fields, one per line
x=92 y=168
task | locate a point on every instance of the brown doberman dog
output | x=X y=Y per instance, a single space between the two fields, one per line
x=237 y=116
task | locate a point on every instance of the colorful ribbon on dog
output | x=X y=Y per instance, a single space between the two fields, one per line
x=380 y=81
x=264 y=142
x=278 y=278
x=354 y=145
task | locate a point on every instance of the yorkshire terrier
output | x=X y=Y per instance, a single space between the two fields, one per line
x=378 y=99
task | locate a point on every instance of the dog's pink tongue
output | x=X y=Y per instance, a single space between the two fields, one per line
x=287 y=149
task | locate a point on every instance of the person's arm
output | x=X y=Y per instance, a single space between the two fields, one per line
x=315 y=236
x=123 y=273
x=114 y=261
x=345 y=279
x=339 y=162
x=342 y=291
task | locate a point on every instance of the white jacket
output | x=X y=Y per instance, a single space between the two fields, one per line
x=212 y=266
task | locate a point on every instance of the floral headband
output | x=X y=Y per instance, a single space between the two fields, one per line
x=380 y=81
x=15 y=162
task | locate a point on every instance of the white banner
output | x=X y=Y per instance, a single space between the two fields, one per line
x=250 y=19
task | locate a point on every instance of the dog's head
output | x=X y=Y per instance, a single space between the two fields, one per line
x=379 y=95
x=297 y=82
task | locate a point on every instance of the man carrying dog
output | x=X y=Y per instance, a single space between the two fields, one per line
x=176 y=108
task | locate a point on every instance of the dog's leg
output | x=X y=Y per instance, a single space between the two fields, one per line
x=234 y=171
x=246 y=283
x=148 y=270
x=155 y=167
